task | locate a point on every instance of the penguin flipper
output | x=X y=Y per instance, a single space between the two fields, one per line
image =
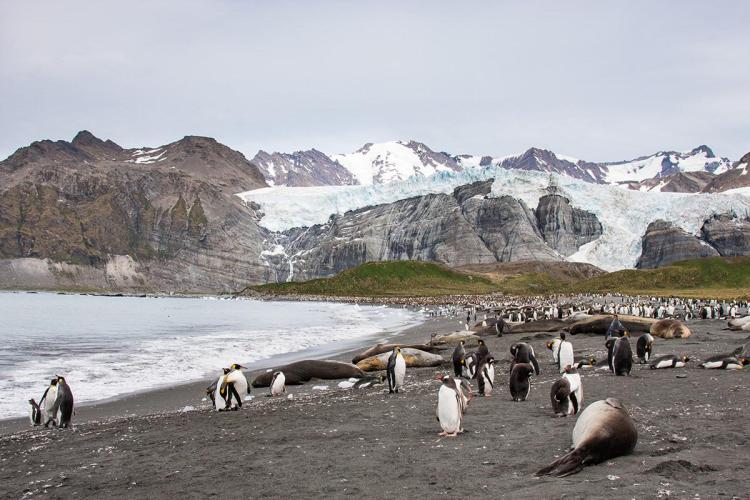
x=535 y=363
x=574 y=400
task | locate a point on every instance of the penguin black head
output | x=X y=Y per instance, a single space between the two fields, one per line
x=685 y=359
x=480 y=342
x=60 y=380
x=462 y=342
x=562 y=335
x=226 y=370
x=592 y=360
x=236 y=366
x=53 y=381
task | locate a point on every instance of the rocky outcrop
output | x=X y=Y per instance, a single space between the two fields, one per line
x=728 y=234
x=737 y=177
x=682 y=182
x=564 y=227
x=664 y=244
x=149 y=219
x=302 y=168
x=467 y=227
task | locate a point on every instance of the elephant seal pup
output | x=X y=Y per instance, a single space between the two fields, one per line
x=603 y=431
x=300 y=372
x=414 y=358
x=670 y=329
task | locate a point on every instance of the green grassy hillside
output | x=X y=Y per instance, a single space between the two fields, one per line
x=713 y=277
x=390 y=278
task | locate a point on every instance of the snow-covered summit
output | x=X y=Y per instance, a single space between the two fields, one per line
x=380 y=163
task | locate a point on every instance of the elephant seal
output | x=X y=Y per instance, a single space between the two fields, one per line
x=455 y=337
x=414 y=359
x=543 y=325
x=739 y=323
x=599 y=324
x=577 y=316
x=381 y=348
x=669 y=329
x=300 y=372
x=603 y=431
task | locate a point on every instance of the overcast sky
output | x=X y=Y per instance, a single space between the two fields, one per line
x=597 y=80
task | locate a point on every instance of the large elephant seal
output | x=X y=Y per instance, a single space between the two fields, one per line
x=600 y=323
x=543 y=325
x=414 y=359
x=300 y=372
x=468 y=337
x=604 y=430
x=381 y=348
x=670 y=329
x=739 y=323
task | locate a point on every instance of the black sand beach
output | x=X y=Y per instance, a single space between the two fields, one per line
x=692 y=438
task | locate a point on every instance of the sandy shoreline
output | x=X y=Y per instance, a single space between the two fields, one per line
x=172 y=399
x=692 y=440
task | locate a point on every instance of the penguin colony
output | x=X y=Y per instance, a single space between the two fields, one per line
x=603 y=430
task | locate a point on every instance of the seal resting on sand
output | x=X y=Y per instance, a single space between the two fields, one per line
x=600 y=323
x=300 y=372
x=543 y=325
x=669 y=329
x=455 y=337
x=381 y=348
x=603 y=431
x=414 y=359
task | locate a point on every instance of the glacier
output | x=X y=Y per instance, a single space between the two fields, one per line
x=625 y=214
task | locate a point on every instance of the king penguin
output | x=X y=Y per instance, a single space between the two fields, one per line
x=396 y=370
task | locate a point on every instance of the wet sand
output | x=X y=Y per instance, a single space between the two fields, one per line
x=692 y=438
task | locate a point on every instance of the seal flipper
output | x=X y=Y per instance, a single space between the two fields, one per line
x=565 y=466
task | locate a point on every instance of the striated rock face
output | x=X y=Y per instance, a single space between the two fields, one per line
x=664 y=244
x=727 y=233
x=564 y=227
x=302 y=168
x=91 y=214
x=464 y=228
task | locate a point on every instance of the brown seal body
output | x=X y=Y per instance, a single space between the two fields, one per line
x=670 y=329
x=414 y=358
x=603 y=431
x=302 y=371
x=381 y=348
x=599 y=324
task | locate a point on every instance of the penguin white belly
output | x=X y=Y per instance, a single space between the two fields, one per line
x=240 y=382
x=678 y=364
x=449 y=410
x=588 y=423
x=733 y=366
x=666 y=363
x=711 y=365
x=489 y=379
x=399 y=371
x=565 y=355
x=555 y=345
x=278 y=385
x=576 y=387
x=49 y=403
x=219 y=401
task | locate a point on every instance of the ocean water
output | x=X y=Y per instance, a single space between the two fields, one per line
x=110 y=346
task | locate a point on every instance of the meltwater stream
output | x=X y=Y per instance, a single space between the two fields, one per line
x=110 y=346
